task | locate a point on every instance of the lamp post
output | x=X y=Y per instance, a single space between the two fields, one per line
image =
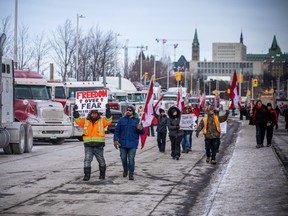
x=116 y=53
x=141 y=57
x=154 y=67
x=77 y=44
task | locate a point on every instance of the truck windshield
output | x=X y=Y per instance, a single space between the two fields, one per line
x=60 y=92
x=121 y=98
x=194 y=100
x=31 y=92
x=170 y=98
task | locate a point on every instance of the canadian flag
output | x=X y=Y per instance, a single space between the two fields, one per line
x=158 y=105
x=180 y=102
x=234 y=93
x=148 y=114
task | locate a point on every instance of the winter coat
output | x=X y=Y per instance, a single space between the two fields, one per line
x=211 y=131
x=94 y=134
x=126 y=132
x=271 y=117
x=174 y=121
x=259 y=115
x=162 y=124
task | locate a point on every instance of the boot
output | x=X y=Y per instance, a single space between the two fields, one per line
x=87 y=173
x=102 y=172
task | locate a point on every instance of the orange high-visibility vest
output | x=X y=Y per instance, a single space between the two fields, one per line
x=216 y=120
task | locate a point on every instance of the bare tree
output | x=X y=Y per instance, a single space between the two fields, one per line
x=96 y=43
x=5 y=27
x=63 y=44
x=40 y=53
x=85 y=57
x=25 y=51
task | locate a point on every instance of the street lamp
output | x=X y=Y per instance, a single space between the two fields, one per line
x=77 y=44
x=155 y=67
x=116 y=53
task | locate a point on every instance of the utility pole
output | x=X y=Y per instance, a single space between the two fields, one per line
x=15 y=34
x=77 y=45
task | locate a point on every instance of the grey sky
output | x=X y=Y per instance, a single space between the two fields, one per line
x=143 y=21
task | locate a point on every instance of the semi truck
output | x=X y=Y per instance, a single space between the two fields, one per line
x=15 y=137
x=33 y=106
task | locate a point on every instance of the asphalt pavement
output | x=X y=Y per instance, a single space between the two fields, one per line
x=255 y=181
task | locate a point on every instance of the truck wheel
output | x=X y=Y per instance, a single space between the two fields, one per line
x=18 y=148
x=58 y=141
x=28 y=138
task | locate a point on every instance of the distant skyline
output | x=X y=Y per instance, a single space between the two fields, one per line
x=141 y=22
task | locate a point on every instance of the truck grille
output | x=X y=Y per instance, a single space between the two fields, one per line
x=52 y=115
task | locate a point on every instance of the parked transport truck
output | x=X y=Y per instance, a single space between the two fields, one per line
x=33 y=105
x=15 y=137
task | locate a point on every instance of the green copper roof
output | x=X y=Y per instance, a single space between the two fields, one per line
x=195 y=40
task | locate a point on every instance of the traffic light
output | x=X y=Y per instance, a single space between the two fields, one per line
x=240 y=78
x=266 y=91
x=228 y=91
x=153 y=78
x=255 y=83
x=215 y=92
x=178 y=76
x=146 y=75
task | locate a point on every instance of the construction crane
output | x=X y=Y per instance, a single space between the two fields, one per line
x=175 y=45
x=126 y=71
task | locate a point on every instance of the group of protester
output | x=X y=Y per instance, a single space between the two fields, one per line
x=129 y=128
x=265 y=118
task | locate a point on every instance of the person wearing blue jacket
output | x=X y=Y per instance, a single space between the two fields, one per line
x=126 y=138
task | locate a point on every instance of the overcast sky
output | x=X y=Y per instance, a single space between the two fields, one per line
x=143 y=21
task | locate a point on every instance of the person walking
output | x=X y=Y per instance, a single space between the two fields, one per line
x=210 y=124
x=259 y=119
x=272 y=121
x=94 y=138
x=161 y=130
x=126 y=138
x=187 y=138
x=175 y=134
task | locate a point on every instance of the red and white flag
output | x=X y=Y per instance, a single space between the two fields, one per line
x=202 y=102
x=180 y=102
x=234 y=93
x=148 y=114
x=158 y=105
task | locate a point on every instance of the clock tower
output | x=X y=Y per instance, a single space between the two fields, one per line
x=195 y=48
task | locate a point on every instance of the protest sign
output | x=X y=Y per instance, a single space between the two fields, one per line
x=91 y=100
x=223 y=127
x=188 y=122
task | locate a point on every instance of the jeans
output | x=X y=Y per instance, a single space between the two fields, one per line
x=90 y=152
x=161 y=140
x=269 y=134
x=186 y=142
x=211 y=146
x=151 y=129
x=127 y=156
x=260 y=133
x=175 y=145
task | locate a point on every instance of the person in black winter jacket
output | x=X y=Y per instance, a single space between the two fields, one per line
x=259 y=119
x=175 y=134
x=272 y=121
x=161 y=130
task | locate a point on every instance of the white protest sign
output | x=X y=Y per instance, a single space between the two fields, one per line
x=91 y=100
x=188 y=122
x=223 y=127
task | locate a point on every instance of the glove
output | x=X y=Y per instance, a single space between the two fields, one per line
x=139 y=127
x=75 y=107
x=108 y=111
x=116 y=144
x=276 y=128
x=197 y=134
x=227 y=112
x=177 y=127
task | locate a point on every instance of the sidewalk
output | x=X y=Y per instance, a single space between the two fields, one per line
x=254 y=182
